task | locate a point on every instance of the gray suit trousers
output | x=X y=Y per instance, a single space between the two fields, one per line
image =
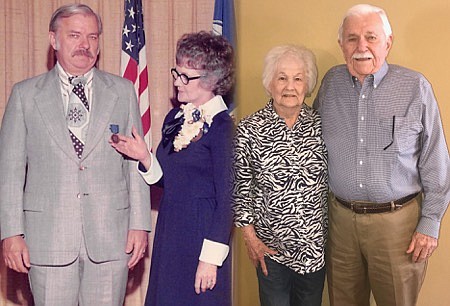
x=99 y=284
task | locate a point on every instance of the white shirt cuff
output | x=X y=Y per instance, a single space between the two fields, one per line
x=154 y=173
x=213 y=252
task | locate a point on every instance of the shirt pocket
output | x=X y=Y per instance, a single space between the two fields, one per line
x=398 y=134
x=407 y=134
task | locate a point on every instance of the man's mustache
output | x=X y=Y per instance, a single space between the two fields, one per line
x=362 y=56
x=83 y=52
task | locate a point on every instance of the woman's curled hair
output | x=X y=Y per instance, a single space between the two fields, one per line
x=211 y=53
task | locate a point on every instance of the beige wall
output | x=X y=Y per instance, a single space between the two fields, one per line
x=421 y=42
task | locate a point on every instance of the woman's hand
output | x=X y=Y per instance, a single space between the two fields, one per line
x=134 y=147
x=206 y=277
x=256 y=248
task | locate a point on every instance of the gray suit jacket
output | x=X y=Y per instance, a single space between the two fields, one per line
x=51 y=196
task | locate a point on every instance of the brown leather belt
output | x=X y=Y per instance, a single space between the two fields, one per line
x=361 y=207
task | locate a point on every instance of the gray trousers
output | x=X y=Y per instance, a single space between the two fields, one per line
x=82 y=282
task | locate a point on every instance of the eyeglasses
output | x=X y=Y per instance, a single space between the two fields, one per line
x=184 y=78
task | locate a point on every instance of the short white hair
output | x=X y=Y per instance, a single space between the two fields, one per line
x=366 y=9
x=304 y=55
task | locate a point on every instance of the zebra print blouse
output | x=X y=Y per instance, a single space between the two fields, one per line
x=280 y=185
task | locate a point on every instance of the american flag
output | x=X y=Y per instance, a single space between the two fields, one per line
x=133 y=59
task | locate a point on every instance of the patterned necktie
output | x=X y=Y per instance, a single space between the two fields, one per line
x=78 y=114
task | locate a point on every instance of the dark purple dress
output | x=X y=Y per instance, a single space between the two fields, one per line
x=195 y=206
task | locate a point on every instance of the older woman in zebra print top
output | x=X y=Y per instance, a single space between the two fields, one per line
x=280 y=192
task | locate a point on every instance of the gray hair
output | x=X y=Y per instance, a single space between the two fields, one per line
x=211 y=53
x=69 y=10
x=365 y=9
x=301 y=53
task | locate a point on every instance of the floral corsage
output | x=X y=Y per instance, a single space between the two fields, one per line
x=195 y=125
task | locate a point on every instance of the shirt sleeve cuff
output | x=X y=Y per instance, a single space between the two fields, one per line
x=154 y=173
x=428 y=227
x=213 y=252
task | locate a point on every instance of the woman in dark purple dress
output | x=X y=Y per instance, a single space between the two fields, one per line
x=190 y=262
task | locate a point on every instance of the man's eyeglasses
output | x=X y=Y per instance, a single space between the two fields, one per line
x=184 y=78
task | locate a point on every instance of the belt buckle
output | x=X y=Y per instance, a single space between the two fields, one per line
x=354 y=207
x=395 y=206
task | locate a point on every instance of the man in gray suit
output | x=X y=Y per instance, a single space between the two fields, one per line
x=75 y=214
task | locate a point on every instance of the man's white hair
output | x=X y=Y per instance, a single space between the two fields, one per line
x=365 y=9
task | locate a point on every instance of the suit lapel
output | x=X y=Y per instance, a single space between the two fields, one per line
x=104 y=100
x=50 y=105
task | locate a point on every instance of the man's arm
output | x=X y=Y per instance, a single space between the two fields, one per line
x=434 y=168
x=13 y=170
x=139 y=195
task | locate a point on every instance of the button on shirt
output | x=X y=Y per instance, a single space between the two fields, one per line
x=281 y=185
x=385 y=140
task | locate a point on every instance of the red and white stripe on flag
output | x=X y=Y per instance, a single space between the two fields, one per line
x=133 y=61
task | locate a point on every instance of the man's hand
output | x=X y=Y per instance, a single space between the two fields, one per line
x=136 y=245
x=421 y=247
x=15 y=254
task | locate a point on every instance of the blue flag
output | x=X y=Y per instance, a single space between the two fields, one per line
x=224 y=24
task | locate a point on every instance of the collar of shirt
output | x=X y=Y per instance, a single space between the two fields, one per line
x=209 y=109
x=64 y=77
x=66 y=87
x=213 y=107
x=377 y=76
x=271 y=113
